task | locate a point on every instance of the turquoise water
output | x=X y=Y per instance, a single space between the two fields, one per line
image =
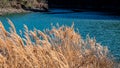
x=104 y=27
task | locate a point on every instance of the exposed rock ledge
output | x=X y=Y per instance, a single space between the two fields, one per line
x=4 y=11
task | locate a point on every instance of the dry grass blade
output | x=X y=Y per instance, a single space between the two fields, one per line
x=12 y=29
x=60 y=47
x=2 y=29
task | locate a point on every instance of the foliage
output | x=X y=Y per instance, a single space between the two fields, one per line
x=60 y=47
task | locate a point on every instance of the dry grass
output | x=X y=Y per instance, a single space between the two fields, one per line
x=60 y=47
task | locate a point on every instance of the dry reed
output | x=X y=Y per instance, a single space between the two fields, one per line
x=60 y=47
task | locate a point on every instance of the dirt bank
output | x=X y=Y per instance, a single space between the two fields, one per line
x=4 y=11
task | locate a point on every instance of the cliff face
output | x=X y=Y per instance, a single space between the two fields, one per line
x=18 y=6
x=26 y=3
x=86 y=4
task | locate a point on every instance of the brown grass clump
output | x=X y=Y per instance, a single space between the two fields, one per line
x=57 y=48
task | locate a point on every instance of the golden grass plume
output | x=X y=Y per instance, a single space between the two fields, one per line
x=56 y=48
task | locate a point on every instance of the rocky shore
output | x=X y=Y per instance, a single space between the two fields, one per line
x=4 y=11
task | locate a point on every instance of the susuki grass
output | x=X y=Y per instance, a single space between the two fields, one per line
x=60 y=47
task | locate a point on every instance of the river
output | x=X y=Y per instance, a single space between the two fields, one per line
x=106 y=28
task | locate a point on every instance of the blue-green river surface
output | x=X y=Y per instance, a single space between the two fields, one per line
x=106 y=28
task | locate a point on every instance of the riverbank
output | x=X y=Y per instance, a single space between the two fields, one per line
x=4 y=11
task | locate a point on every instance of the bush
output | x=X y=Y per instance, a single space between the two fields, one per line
x=60 y=47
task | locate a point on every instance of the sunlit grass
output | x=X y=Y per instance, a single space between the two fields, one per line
x=60 y=47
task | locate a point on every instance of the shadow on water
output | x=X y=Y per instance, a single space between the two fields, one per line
x=59 y=12
x=84 y=14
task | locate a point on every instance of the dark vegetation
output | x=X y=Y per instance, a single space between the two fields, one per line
x=89 y=5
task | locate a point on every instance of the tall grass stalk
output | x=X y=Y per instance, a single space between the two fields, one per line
x=60 y=47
